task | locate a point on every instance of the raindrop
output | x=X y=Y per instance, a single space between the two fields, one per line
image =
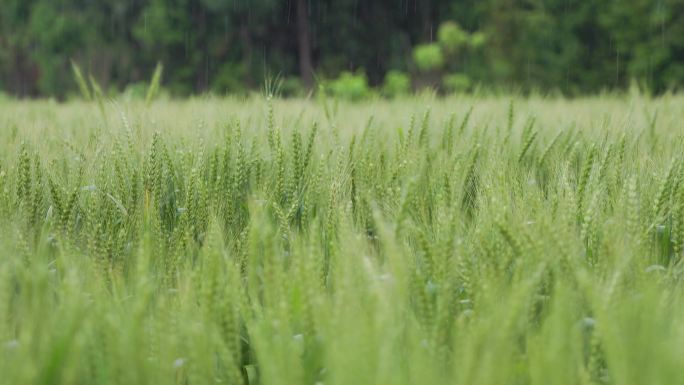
x=588 y=323
x=653 y=268
x=431 y=287
x=12 y=344
x=178 y=363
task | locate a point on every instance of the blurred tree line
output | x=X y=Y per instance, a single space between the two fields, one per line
x=574 y=46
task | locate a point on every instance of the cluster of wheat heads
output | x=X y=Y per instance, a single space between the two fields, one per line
x=476 y=241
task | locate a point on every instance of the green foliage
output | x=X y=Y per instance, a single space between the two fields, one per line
x=477 y=39
x=350 y=86
x=229 y=47
x=135 y=91
x=292 y=87
x=428 y=57
x=229 y=79
x=456 y=82
x=396 y=83
x=451 y=37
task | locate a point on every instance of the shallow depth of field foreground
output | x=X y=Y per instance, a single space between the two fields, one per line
x=416 y=241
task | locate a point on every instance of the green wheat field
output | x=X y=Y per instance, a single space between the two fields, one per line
x=424 y=240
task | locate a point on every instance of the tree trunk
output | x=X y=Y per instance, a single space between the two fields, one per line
x=304 y=44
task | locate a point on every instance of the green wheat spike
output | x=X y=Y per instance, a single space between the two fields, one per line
x=155 y=84
x=80 y=81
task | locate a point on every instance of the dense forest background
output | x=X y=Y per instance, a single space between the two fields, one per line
x=230 y=46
